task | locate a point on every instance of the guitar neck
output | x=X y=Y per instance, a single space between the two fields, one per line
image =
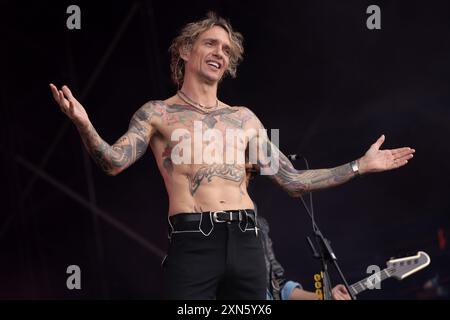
x=371 y=281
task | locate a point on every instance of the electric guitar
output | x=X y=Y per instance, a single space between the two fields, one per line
x=398 y=268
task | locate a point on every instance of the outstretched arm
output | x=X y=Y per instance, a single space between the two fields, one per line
x=112 y=159
x=127 y=149
x=297 y=182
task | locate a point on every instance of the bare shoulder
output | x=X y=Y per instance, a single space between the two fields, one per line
x=155 y=106
x=243 y=112
x=247 y=116
x=150 y=109
x=148 y=113
x=171 y=101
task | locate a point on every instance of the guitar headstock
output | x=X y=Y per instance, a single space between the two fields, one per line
x=400 y=268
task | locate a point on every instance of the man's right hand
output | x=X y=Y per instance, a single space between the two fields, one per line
x=70 y=106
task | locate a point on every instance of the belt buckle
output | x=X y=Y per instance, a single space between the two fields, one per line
x=216 y=219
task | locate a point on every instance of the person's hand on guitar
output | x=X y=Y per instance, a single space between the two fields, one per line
x=339 y=292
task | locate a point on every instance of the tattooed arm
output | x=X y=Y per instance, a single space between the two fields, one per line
x=127 y=150
x=296 y=182
x=275 y=165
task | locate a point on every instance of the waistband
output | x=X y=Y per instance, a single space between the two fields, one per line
x=204 y=221
x=216 y=216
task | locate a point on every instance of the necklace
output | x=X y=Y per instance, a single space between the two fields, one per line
x=183 y=96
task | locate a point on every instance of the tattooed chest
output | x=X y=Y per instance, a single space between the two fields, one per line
x=186 y=148
x=201 y=148
x=194 y=138
x=182 y=162
x=224 y=118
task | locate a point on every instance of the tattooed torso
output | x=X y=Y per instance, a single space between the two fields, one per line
x=200 y=185
x=203 y=170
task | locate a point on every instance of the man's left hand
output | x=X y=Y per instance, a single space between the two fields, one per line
x=376 y=160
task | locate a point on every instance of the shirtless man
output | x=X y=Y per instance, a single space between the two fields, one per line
x=208 y=258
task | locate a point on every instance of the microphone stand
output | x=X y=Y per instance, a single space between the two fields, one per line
x=322 y=250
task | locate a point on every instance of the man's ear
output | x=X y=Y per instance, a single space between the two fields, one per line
x=185 y=52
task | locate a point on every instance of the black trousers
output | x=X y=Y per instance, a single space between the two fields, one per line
x=226 y=264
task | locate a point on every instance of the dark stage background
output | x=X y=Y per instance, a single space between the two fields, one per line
x=311 y=69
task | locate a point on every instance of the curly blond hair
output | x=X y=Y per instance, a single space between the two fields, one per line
x=190 y=33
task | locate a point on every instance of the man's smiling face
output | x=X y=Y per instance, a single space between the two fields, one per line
x=209 y=56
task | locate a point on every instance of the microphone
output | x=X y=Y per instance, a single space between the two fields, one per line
x=297 y=156
x=294 y=157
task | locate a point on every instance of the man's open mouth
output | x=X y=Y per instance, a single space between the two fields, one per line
x=214 y=64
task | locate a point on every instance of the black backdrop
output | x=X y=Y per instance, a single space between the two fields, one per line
x=312 y=69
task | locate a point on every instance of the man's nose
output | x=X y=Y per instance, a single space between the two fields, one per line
x=218 y=52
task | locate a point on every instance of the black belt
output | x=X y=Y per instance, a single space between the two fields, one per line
x=216 y=216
